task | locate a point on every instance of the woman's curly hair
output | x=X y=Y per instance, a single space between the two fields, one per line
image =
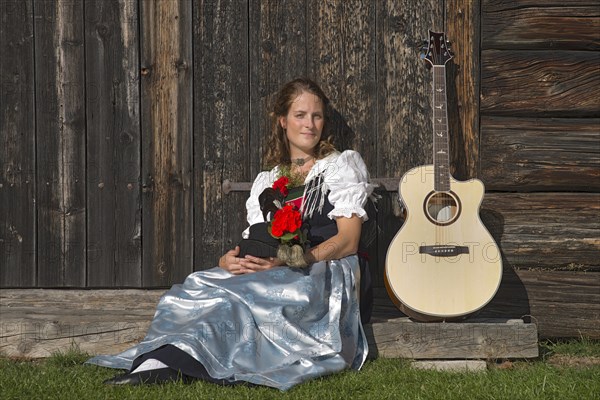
x=277 y=151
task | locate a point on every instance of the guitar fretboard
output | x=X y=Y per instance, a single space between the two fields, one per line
x=441 y=153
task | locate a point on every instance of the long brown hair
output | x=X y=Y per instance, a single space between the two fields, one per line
x=277 y=151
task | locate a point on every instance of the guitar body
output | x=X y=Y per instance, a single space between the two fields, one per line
x=443 y=264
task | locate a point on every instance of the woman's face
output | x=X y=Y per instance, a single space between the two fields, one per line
x=304 y=124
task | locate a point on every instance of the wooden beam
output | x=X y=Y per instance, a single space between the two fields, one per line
x=551 y=25
x=540 y=84
x=37 y=323
x=535 y=154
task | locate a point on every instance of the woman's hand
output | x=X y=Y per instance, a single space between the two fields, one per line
x=255 y=264
x=232 y=263
x=246 y=265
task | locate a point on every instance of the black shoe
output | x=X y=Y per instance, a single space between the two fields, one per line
x=161 y=375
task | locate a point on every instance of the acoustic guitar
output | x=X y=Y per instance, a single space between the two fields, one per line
x=443 y=264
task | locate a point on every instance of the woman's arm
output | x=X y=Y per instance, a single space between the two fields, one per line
x=343 y=244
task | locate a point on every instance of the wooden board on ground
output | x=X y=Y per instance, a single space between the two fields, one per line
x=38 y=323
x=474 y=339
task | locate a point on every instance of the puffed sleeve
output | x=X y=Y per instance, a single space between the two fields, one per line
x=348 y=182
x=253 y=214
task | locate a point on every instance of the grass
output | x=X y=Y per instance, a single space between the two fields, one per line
x=63 y=376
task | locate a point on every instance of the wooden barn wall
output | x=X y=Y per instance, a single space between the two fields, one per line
x=121 y=119
x=539 y=157
x=540 y=130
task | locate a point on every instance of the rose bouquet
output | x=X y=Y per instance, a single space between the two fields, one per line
x=286 y=225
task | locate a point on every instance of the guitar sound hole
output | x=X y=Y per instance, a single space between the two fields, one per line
x=442 y=208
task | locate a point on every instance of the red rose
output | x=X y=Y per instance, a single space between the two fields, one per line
x=286 y=219
x=281 y=185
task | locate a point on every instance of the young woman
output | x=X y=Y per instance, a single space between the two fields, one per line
x=277 y=320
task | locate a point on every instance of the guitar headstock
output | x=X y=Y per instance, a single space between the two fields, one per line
x=437 y=49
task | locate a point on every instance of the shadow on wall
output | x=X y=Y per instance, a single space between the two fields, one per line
x=511 y=301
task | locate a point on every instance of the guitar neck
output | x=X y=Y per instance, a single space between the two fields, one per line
x=441 y=152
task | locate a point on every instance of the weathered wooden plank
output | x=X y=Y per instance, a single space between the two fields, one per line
x=540 y=83
x=113 y=145
x=550 y=230
x=17 y=146
x=553 y=25
x=37 y=323
x=404 y=113
x=277 y=50
x=221 y=139
x=463 y=31
x=341 y=56
x=60 y=163
x=525 y=154
x=403 y=338
x=404 y=132
x=166 y=109
x=560 y=303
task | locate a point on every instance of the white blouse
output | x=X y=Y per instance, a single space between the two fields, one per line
x=345 y=176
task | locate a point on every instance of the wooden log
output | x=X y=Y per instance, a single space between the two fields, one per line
x=553 y=25
x=526 y=154
x=166 y=106
x=17 y=146
x=113 y=145
x=549 y=230
x=540 y=83
x=60 y=142
x=222 y=115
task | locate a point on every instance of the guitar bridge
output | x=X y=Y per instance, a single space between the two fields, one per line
x=443 y=250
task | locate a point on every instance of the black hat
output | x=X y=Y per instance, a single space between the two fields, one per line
x=260 y=243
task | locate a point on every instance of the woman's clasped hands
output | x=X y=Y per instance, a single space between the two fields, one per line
x=248 y=264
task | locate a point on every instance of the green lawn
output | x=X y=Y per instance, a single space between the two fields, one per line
x=568 y=370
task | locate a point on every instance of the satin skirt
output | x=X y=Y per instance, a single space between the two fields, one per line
x=275 y=328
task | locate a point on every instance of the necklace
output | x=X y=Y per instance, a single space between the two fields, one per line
x=301 y=161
